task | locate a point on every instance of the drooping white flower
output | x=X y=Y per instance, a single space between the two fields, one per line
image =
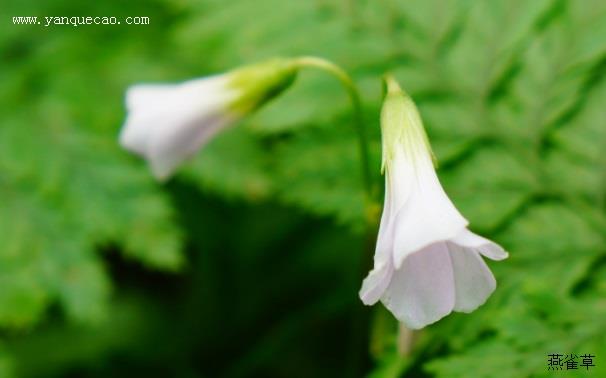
x=168 y=123
x=427 y=263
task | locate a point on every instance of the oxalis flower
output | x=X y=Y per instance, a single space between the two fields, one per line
x=167 y=123
x=427 y=263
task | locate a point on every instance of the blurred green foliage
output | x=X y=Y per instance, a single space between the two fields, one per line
x=248 y=264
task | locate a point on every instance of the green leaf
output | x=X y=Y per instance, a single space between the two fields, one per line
x=235 y=164
x=319 y=170
x=489 y=186
x=67 y=191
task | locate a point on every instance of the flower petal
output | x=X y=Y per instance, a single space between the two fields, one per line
x=396 y=194
x=143 y=102
x=175 y=145
x=375 y=283
x=168 y=123
x=428 y=216
x=474 y=282
x=399 y=178
x=422 y=291
x=482 y=245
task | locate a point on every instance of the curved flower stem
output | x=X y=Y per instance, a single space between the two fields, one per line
x=358 y=349
x=354 y=95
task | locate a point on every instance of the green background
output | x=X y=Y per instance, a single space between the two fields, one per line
x=249 y=261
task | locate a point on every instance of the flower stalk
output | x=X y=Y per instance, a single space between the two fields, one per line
x=360 y=128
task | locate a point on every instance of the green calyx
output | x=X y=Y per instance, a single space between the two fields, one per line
x=401 y=126
x=258 y=83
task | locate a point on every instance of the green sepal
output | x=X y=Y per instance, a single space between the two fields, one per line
x=258 y=83
x=401 y=125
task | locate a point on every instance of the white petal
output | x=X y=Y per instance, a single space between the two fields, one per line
x=428 y=215
x=482 y=245
x=168 y=123
x=399 y=179
x=139 y=127
x=422 y=291
x=474 y=281
x=385 y=237
x=142 y=96
x=377 y=280
x=396 y=194
x=174 y=145
x=375 y=283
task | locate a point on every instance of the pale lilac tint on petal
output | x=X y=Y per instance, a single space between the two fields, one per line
x=422 y=291
x=474 y=281
x=482 y=245
x=168 y=123
x=375 y=283
x=428 y=216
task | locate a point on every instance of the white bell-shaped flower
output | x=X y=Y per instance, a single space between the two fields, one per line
x=168 y=123
x=427 y=263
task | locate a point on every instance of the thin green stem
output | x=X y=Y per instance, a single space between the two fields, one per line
x=354 y=95
x=358 y=350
